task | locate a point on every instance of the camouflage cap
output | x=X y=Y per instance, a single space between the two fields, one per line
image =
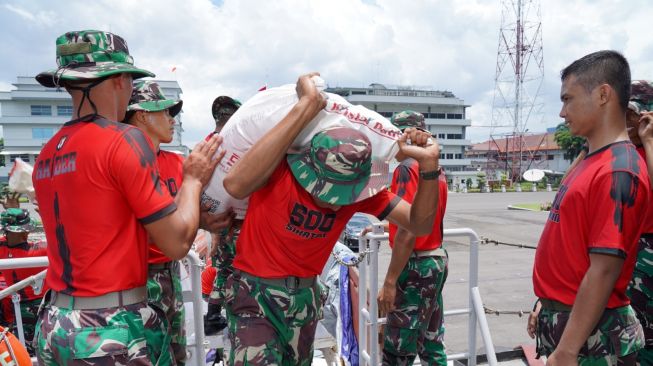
x=223 y=106
x=148 y=97
x=336 y=168
x=406 y=119
x=89 y=55
x=16 y=220
x=641 y=96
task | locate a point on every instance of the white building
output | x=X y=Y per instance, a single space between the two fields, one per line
x=32 y=113
x=444 y=113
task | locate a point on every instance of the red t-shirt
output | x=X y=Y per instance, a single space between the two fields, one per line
x=648 y=221
x=598 y=209
x=208 y=278
x=286 y=234
x=97 y=184
x=12 y=276
x=171 y=170
x=404 y=184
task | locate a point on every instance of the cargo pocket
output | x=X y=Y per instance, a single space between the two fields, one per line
x=94 y=342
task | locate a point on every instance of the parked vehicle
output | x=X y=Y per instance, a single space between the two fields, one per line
x=355 y=225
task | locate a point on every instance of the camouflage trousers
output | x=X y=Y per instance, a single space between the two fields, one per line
x=416 y=326
x=640 y=292
x=615 y=341
x=112 y=336
x=271 y=325
x=223 y=262
x=164 y=293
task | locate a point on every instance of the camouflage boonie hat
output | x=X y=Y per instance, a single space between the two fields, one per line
x=16 y=220
x=148 y=97
x=641 y=96
x=337 y=167
x=406 y=119
x=88 y=55
x=224 y=106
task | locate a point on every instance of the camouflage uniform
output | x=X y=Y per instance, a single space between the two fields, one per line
x=416 y=326
x=615 y=341
x=164 y=293
x=222 y=261
x=271 y=324
x=115 y=336
x=640 y=289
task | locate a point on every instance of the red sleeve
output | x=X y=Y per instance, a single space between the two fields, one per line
x=404 y=182
x=379 y=205
x=134 y=168
x=616 y=205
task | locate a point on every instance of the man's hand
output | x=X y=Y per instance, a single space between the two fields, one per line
x=306 y=90
x=386 y=298
x=214 y=223
x=201 y=162
x=426 y=155
x=531 y=327
x=11 y=200
x=645 y=130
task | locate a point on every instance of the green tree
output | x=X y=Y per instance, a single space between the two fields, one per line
x=572 y=145
x=480 y=178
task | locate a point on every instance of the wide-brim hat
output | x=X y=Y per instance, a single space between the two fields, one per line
x=89 y=55
x=407 y=119
x=641 y=96
x=221 y=101
x=148 y=97
x=16 y=220
x=338 y=167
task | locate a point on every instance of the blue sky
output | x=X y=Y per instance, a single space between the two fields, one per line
x=234 y=47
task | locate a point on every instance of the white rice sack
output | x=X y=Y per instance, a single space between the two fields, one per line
x=267 y=108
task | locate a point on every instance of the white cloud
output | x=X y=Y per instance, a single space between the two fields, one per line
x=234 y=47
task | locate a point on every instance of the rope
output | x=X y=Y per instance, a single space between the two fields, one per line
x=485 y=240
x=520 y=313
x=353 y=262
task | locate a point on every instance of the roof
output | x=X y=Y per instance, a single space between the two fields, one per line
x=535 y=142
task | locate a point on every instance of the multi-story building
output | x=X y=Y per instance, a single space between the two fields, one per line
x=444 y=113
x=31 y=114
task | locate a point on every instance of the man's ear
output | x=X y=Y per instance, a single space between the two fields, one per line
x=605 y=93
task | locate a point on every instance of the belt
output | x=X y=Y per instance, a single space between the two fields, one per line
x=290 y=282
x=110 y=300
x=165 y=265
x=554 y=305
x=440 y=252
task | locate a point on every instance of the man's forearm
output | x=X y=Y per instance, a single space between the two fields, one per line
x=404 y=243
x=425 y=205
x=591 y=300
x=254 y=169
x=188 y=210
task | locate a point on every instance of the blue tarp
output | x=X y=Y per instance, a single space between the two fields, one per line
x=349 y=346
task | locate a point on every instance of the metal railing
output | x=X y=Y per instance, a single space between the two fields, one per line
x=369 y=321
x=196 y=357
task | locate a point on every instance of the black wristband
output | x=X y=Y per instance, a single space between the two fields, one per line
x=430 y=175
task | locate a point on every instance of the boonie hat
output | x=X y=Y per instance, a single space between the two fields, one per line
x=224 y=106
x=337 y=167
x=88 y=55
x=16 y=220
x=406 y=119
x=148 y=97
x=641 y=96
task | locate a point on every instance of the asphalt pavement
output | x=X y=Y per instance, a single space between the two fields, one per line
x=504 y=271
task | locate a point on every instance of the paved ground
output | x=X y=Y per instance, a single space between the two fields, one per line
x=504 y=272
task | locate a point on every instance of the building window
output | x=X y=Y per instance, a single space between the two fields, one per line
x=454 y=136
x=550 y=157
x=64 y=110
x=23 y=157
x=448 y=156
x=41 y=110
x=357 y=92
x=386 y=114
x=459 y=156
x=437 y=115
x=454 y=116
x=42 y=133
x=441 y=136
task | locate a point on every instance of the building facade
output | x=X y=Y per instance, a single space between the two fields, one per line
x=516 y=154
x=31 y=114
x=444 y=113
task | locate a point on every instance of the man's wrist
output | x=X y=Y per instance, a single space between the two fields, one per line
x=430 y=164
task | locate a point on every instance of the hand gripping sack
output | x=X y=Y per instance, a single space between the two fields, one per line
x=267 y=108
